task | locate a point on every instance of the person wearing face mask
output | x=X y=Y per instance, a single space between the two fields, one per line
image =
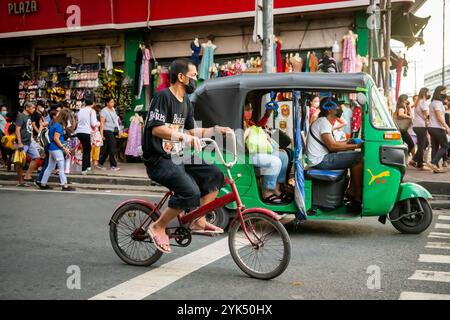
x=273 y=166
x=438 y=130
x=38 y=119
x=420 y=124
x=314 y=109
x=170 y=126
x=325 y=153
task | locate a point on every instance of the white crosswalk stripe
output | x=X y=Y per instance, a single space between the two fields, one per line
x=442 y=226
x=438 y=245
x=442 y=217
x=439 y=235
x=152 y=281
x=434 y=258
x=423 y=296
x=437 y=276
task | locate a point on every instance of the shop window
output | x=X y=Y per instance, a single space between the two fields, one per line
x=46 y=61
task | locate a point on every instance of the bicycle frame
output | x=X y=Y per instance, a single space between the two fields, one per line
x=234 y=196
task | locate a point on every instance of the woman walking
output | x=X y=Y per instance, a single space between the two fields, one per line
x=57 y=151
x=403 y=119
x=420 y=125
x=87 y=122
x=109 y=128
x=438 y=129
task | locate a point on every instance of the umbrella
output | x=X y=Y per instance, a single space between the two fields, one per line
x=299 y=173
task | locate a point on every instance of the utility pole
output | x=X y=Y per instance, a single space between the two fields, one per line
x=387 y=47
x=443 y=42
x=268 y=36
x=371 y=33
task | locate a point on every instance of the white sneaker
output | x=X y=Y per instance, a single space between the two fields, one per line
x=115 y=169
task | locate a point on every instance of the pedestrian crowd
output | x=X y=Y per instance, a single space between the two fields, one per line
x=48 y=139
x=424 y=125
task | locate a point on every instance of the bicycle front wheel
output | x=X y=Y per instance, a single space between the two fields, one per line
x=270 y=254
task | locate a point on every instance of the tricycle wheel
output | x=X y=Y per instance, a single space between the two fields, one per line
x=270 y=253
x=219 y=217
x=412 y=216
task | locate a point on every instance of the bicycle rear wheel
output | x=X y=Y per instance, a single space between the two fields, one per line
x=131 y=243
x=270 y=256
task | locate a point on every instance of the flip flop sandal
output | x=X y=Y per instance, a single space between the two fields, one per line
x=287 y=198
x=23 y=185
x=159 y=241
x=208 y=230
x=273 y=199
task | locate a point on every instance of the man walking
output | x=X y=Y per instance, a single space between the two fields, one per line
x=24 y=131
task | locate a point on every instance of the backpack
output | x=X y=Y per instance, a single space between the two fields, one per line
x=43 y=137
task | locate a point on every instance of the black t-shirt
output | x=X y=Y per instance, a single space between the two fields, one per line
x=166 y=109
x=36 y=118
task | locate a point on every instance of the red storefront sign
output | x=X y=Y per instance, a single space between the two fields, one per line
x=59 y=16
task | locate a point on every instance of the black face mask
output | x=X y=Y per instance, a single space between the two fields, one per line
x=191 y=86
x=339 y=113
x=443 y=96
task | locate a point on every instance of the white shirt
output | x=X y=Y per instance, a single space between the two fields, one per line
x=314 y=150
x=436 y=105
x=86 y=120
x=418 y=121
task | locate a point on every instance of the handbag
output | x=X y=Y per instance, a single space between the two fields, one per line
x=258 y=142
x=116 y=127
x=20 y=158
x=403 y=124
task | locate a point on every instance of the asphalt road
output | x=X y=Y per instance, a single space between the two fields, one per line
x=45 y=233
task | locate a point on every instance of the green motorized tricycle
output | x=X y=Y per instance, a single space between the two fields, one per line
x=385 y=195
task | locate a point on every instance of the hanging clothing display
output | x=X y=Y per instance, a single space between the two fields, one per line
x=137 y=74
x=207 y=60
x=146 y=62
x=349 y=54
x=287 y=64
x=278 y=57
x=108 y=61
x=134 y=137
x=313 y=62
x=162 y=79
x=297 y=63
x=307 y=68
x=195 y=54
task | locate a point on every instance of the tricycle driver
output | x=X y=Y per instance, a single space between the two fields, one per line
x=325 y=153
x=192 y=181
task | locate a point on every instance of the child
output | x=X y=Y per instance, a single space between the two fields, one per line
x=8 y=141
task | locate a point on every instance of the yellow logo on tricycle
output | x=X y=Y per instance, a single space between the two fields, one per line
x=378 y=178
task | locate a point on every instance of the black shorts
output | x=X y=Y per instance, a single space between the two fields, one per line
x=189 y=182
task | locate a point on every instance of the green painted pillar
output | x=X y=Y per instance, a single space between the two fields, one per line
x=362 y=32
x=132 y=40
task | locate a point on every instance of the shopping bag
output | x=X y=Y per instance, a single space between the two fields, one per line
x=257 y=141
x=20 y=158
x=96 y=138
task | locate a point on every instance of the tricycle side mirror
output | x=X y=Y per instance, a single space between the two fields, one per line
x=361 y=98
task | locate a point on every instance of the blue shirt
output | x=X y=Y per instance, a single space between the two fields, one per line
x=55 y=128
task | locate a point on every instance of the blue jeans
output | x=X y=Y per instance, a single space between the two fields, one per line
x=44 y=166
x=339 y=160
x=273 y=167
x=56 y=157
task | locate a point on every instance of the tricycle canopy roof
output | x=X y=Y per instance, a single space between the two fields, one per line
x=221 y=101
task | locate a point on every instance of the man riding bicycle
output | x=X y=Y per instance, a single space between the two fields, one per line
x=168 y=127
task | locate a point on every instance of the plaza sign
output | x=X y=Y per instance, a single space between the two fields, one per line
x=22 y=7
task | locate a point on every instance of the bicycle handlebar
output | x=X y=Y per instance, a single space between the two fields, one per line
x=219 y=152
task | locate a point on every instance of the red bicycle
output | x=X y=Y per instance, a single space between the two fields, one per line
x=259 y=244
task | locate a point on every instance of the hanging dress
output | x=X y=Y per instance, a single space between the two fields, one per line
x=207 y=62
x=349 y=55
x=134 y=138
x=278 y=57
x=195 y=54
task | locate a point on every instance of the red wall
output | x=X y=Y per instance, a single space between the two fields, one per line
x=52 y=13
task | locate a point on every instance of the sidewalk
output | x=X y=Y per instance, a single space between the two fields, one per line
x=134 y=175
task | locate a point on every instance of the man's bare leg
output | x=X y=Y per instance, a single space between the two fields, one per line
x=200 y=223
x=356 y=181
x=31 y=169
x=19 y=171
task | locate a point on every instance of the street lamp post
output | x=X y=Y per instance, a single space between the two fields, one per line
x=443 y=42
x=267 y=36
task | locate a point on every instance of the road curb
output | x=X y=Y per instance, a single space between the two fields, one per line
x=436 y=187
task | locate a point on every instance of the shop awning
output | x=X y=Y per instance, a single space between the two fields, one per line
x=408 y=29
